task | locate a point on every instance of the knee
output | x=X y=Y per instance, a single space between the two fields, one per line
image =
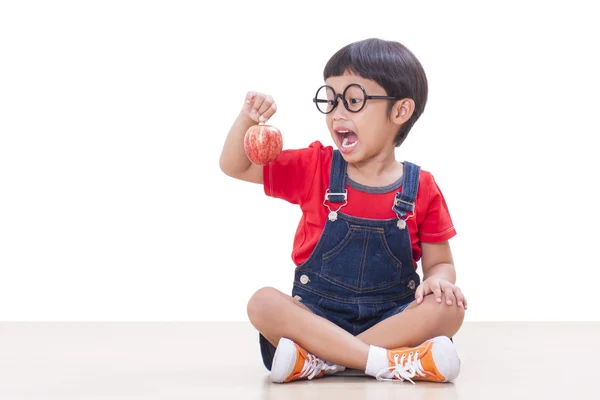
x=262 y=305
x=450 y=317
x=447 y=318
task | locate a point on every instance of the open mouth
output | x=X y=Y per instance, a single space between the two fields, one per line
x=348 y=138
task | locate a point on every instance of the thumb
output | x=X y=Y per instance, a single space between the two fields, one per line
x=419 y=294
x=248 y=102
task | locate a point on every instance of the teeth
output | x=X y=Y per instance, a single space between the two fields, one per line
x=346 y=145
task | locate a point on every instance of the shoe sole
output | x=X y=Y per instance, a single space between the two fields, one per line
x=284 y=360
x=445 y=358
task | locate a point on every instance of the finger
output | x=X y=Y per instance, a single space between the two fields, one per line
x=450 y=298
x=248 y=105
x=266 y=113
x=437 y=291
x=258 y=101
x=248 y=101
x=255 y=104
x=425 y=289
x=250 y=96
x=419 y=294
x=266 y=104
x=459 y=297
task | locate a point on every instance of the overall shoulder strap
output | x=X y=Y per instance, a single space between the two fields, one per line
x=405 y=200
x=337 y=179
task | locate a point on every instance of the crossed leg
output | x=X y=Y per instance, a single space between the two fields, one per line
x=277 y=315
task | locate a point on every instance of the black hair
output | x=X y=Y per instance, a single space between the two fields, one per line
x=392 y=66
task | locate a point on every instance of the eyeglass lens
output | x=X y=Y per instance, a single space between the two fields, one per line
x=354 y=96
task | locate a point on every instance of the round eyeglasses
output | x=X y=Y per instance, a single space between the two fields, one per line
x=354 y=98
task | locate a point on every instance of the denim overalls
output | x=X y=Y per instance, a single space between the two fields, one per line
x=361 y=270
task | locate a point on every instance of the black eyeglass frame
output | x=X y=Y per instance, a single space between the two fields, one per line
x=343 y=98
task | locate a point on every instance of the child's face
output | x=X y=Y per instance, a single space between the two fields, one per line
x=373 y=132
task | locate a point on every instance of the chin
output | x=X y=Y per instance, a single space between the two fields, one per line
x=354 y=157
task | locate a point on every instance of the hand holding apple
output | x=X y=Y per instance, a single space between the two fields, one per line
x=263 y=143
x=259 y=106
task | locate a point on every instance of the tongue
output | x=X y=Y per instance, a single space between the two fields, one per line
x=351 y=138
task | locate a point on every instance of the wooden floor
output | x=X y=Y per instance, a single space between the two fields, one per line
x=222 y=361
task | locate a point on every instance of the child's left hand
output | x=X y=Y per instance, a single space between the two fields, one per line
x=438 y=286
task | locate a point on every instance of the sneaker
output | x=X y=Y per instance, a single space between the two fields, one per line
x=291 y=362
x=435 y=360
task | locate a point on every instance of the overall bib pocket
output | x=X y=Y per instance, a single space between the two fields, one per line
x=362 y=261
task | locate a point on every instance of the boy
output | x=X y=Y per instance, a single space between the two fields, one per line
x=366 y=221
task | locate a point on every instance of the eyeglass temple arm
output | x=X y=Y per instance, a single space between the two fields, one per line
x=383 y=98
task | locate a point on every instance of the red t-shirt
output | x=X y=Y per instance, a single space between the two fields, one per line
x=302 y=176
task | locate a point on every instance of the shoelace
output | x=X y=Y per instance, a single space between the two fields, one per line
x=402 y=371
x=312 y=366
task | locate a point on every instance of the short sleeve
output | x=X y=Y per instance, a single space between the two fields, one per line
x=289 y=177
x=437 y=225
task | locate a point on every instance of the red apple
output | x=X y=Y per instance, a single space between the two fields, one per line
x=263 y=144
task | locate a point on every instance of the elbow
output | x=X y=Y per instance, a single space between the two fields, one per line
x=224 y=167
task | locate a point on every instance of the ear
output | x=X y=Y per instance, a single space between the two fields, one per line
x=402 y=111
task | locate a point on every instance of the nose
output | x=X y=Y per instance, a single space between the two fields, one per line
x=339 y=109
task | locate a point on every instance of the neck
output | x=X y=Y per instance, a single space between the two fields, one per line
x=380 y=169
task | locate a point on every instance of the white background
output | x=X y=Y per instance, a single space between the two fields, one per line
x=113 y=115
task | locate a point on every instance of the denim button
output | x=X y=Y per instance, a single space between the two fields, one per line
x=304 y=279
x=298 y=298
x=411 y=284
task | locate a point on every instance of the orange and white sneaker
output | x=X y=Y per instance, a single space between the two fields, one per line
x=291 y=362
x=435 y=360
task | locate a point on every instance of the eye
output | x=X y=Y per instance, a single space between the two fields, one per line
x=355 y=100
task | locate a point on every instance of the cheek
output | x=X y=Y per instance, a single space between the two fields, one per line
x=329 y=121
x=372 y=130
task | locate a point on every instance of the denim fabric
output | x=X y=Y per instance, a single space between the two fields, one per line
x=361 y=270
